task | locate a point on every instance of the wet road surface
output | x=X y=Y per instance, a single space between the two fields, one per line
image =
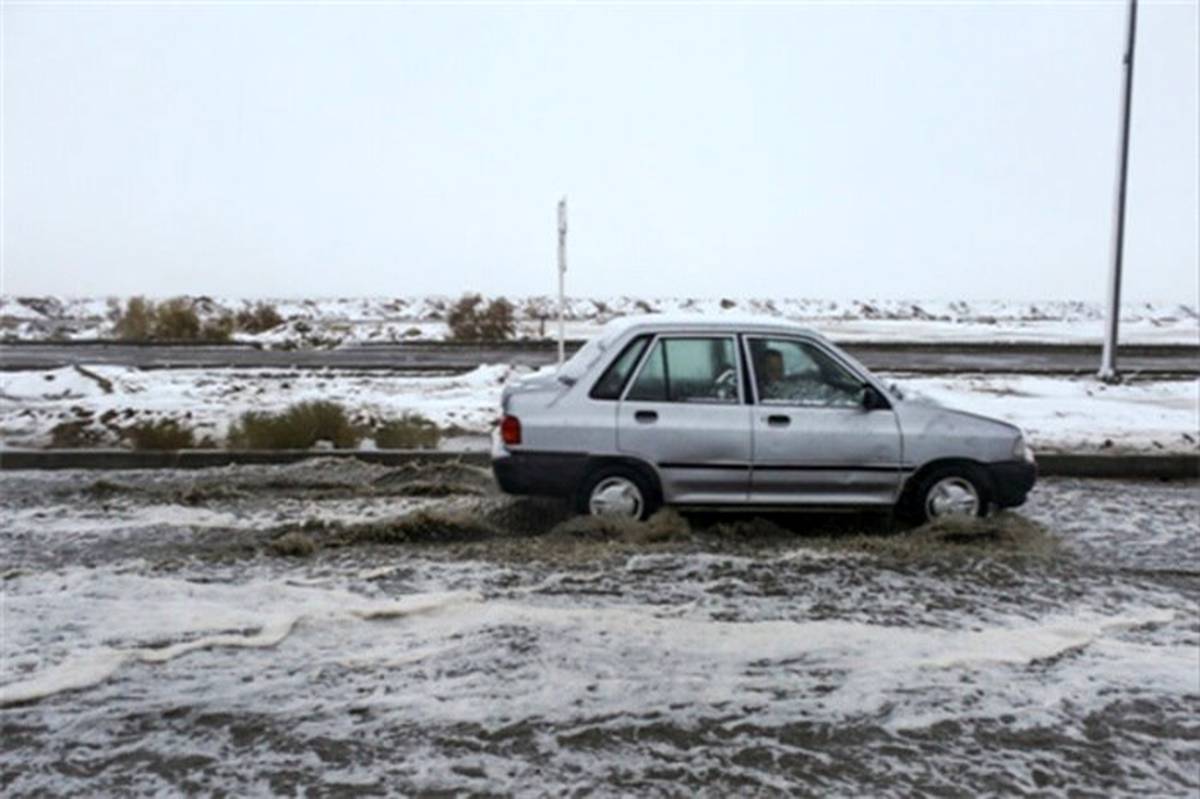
x=333 y=628
x=925 y=358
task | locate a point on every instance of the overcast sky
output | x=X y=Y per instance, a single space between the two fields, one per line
x=884 y=150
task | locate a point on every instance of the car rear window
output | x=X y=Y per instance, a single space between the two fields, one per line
x=612 y=382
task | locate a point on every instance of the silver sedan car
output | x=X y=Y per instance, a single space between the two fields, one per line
x=756 y=413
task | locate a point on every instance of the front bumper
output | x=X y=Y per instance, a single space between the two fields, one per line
x=1011 y=482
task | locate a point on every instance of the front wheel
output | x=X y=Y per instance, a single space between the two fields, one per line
x=617 y=491
x=960 y=491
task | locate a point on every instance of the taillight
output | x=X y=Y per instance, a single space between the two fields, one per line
x=510 y=430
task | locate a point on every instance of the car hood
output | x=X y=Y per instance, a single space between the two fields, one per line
x=919 y=413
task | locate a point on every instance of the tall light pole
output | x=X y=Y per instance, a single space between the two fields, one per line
x=562 y=271
x=1108 y=356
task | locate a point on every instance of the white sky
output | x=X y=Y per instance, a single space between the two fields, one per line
x=841 y=150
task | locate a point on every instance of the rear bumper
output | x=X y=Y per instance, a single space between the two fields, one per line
x=549 y=474
x=1011 y=482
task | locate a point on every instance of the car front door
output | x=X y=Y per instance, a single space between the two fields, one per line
x=684 y=412
x=814 y=442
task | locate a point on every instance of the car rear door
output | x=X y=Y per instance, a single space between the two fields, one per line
x=684 y=413
x=813 y=440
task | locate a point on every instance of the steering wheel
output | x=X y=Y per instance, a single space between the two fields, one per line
x=726 y=383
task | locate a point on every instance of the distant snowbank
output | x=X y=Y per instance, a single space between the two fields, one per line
x=331 y=321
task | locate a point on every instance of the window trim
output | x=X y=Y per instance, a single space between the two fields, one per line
x=738 y=366
x=801 y=340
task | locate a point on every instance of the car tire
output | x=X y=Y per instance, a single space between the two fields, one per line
x=952 y=490
x=622 y=482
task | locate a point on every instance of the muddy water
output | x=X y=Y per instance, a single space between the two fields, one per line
x=334 y=628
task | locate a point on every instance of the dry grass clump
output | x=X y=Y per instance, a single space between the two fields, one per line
x=163 y=434
x=410 y=431
x=301 y=426
x=469 y=322
x=172 y=320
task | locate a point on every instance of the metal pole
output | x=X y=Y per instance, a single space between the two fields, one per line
x=1108 y=356
x=562 y=271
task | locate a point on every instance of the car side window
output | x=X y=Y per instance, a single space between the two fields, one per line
x=792 y=372
x=692 y=369
x=612 y=382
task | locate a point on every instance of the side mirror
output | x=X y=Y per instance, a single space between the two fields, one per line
x=872 y=400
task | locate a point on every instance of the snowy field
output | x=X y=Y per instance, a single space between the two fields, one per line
x=329 y=322
x=158 y=641
x=1058 y=413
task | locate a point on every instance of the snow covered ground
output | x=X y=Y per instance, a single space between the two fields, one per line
x=1058 y=414
x=114 y=397
x=327 y=322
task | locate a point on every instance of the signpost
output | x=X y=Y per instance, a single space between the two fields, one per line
x=1108 y=356
x=562 y=271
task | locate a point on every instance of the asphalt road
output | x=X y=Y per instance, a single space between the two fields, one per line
x=914 y=357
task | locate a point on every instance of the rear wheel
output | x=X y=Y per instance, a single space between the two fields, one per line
x=961 y=490
x=617 y=491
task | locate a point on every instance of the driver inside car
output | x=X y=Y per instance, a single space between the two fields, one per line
x=809 y=387
x=771 y=382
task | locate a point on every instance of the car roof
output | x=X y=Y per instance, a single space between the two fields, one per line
x=670 y=322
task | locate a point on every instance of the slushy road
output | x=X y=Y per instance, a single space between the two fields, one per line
x=332 y=628
x=1157 y=360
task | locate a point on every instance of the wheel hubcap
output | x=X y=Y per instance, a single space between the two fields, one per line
x=952 y=496
x=616 y=496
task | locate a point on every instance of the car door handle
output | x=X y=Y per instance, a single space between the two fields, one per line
x=646 y=417
x=779 y=420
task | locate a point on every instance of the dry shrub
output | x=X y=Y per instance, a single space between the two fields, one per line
x=259 y=319
x=301 y=426
x=173 y=320
x=137 y=321
x=176 y=320
x=410 y=431
x=469 y=322
x=217 y=329
x=163 y=434
x=75 y=435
